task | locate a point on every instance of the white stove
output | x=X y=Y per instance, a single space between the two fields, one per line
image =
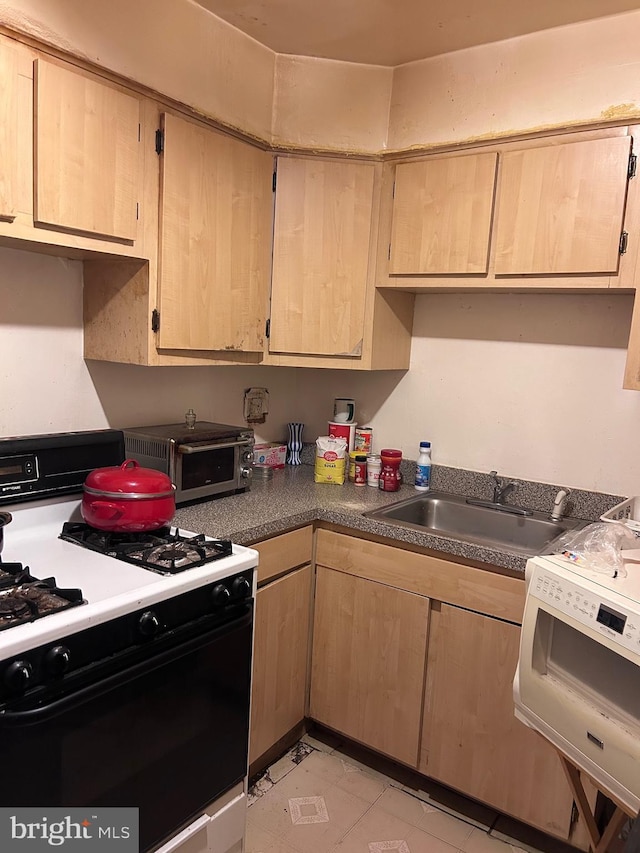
x=144 y=674
x=109 y=586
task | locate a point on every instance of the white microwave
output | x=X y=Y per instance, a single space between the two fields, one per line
x=578 y=675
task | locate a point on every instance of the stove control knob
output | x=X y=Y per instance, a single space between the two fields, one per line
x=18 y=675
x=148 y=624
x=241 y=588
x=220 y=595
x=246 y=473
x=57 y=660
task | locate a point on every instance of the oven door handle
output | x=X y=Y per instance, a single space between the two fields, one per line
x=202 y=448
x=34 y=716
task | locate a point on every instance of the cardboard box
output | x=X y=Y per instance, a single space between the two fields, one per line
x=271 y=453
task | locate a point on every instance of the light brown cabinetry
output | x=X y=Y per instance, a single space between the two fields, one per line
x=86 y=154
x=473 y=742
x=324 y=309
x=441 y=219
x=8 y=131
x=369 y=648
x=71 y=173
x=561 y=205
x=215 y=233
x=281 y=640
x=377 y=677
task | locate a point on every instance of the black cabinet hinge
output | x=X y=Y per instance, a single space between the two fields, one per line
x=389 y=253
x=274 y=181
x=393 y=191
x=137 y=210
x=267 y=329
x=159 y=141
x=633 y=162
x=624 y=239
x=139 y=132
x=155 y=320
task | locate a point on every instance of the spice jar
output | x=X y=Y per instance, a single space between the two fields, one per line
x=361 y=470
x=374 y=466
x=390 y=475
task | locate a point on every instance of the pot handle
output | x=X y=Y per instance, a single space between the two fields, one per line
x=106 y=511
x=129 y=463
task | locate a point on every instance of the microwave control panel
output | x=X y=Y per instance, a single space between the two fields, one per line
x=612 y=621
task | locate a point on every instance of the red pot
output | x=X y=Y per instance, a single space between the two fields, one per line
x=128 y=498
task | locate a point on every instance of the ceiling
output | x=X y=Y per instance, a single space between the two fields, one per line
x=392 y=32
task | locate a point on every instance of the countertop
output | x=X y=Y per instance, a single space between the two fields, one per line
x=291 y=499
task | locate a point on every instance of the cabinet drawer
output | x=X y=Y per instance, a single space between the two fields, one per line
x=285 y=552
x=473 y=588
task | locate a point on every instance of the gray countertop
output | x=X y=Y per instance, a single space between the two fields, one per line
x=292 y=499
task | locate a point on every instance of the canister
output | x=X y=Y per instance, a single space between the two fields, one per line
x=374 y=466
x=364 y=440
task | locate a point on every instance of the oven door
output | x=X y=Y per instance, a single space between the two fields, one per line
x=202 y=470
x=168 y=735
x=580 y=691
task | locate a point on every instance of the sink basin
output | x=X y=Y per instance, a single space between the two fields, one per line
x=450 y=515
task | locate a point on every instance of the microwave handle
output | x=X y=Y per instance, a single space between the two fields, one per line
x=201 y=448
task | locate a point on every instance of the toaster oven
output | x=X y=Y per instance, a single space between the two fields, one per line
x=203 y=461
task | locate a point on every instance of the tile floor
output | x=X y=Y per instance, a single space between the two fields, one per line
x=320 y=799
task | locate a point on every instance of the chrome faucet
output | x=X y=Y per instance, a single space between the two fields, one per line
x=558 y=504
x=501 y=487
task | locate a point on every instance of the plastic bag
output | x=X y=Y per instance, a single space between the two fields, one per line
x=597 y=546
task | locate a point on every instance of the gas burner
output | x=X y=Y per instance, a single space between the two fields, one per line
x=24 y=598
x=158 y=550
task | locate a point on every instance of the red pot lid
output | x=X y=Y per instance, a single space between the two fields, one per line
x=128 y=478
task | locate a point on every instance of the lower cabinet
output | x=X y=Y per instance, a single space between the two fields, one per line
x=472 y=740
x=368 y=662
x=414 y=656
x=281 y=640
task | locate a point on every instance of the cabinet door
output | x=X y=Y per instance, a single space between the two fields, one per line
x=215 y=232
x=8 y=131
x=561 y=208
x=281 y=645
x=473 y=741
x=368 y=662
x=442 y=215
x=321 y=247
x=86 y=153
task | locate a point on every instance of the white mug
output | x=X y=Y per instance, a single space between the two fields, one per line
x=344 y=410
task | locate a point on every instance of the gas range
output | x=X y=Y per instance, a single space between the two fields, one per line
x=110 y=587
x=137 y=669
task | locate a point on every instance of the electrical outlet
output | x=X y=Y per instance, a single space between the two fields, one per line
x=256 y=405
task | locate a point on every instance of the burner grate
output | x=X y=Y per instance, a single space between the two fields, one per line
x=24 y=598
x=158 y=550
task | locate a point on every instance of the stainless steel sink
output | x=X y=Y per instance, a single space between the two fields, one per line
x=451 y=515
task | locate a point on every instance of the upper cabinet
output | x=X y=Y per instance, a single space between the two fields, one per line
x=86 y=143
x=562 y=208
x=555 y=212
x=441 y=218
x=8 y=131
x=321 y=241
x=71 y=171
x=215 y=239
x=324 y=309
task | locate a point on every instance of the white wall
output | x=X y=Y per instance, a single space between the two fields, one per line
x=46 y=385
x=529 y=384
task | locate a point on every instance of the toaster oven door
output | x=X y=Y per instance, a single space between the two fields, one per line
x=205 y=470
